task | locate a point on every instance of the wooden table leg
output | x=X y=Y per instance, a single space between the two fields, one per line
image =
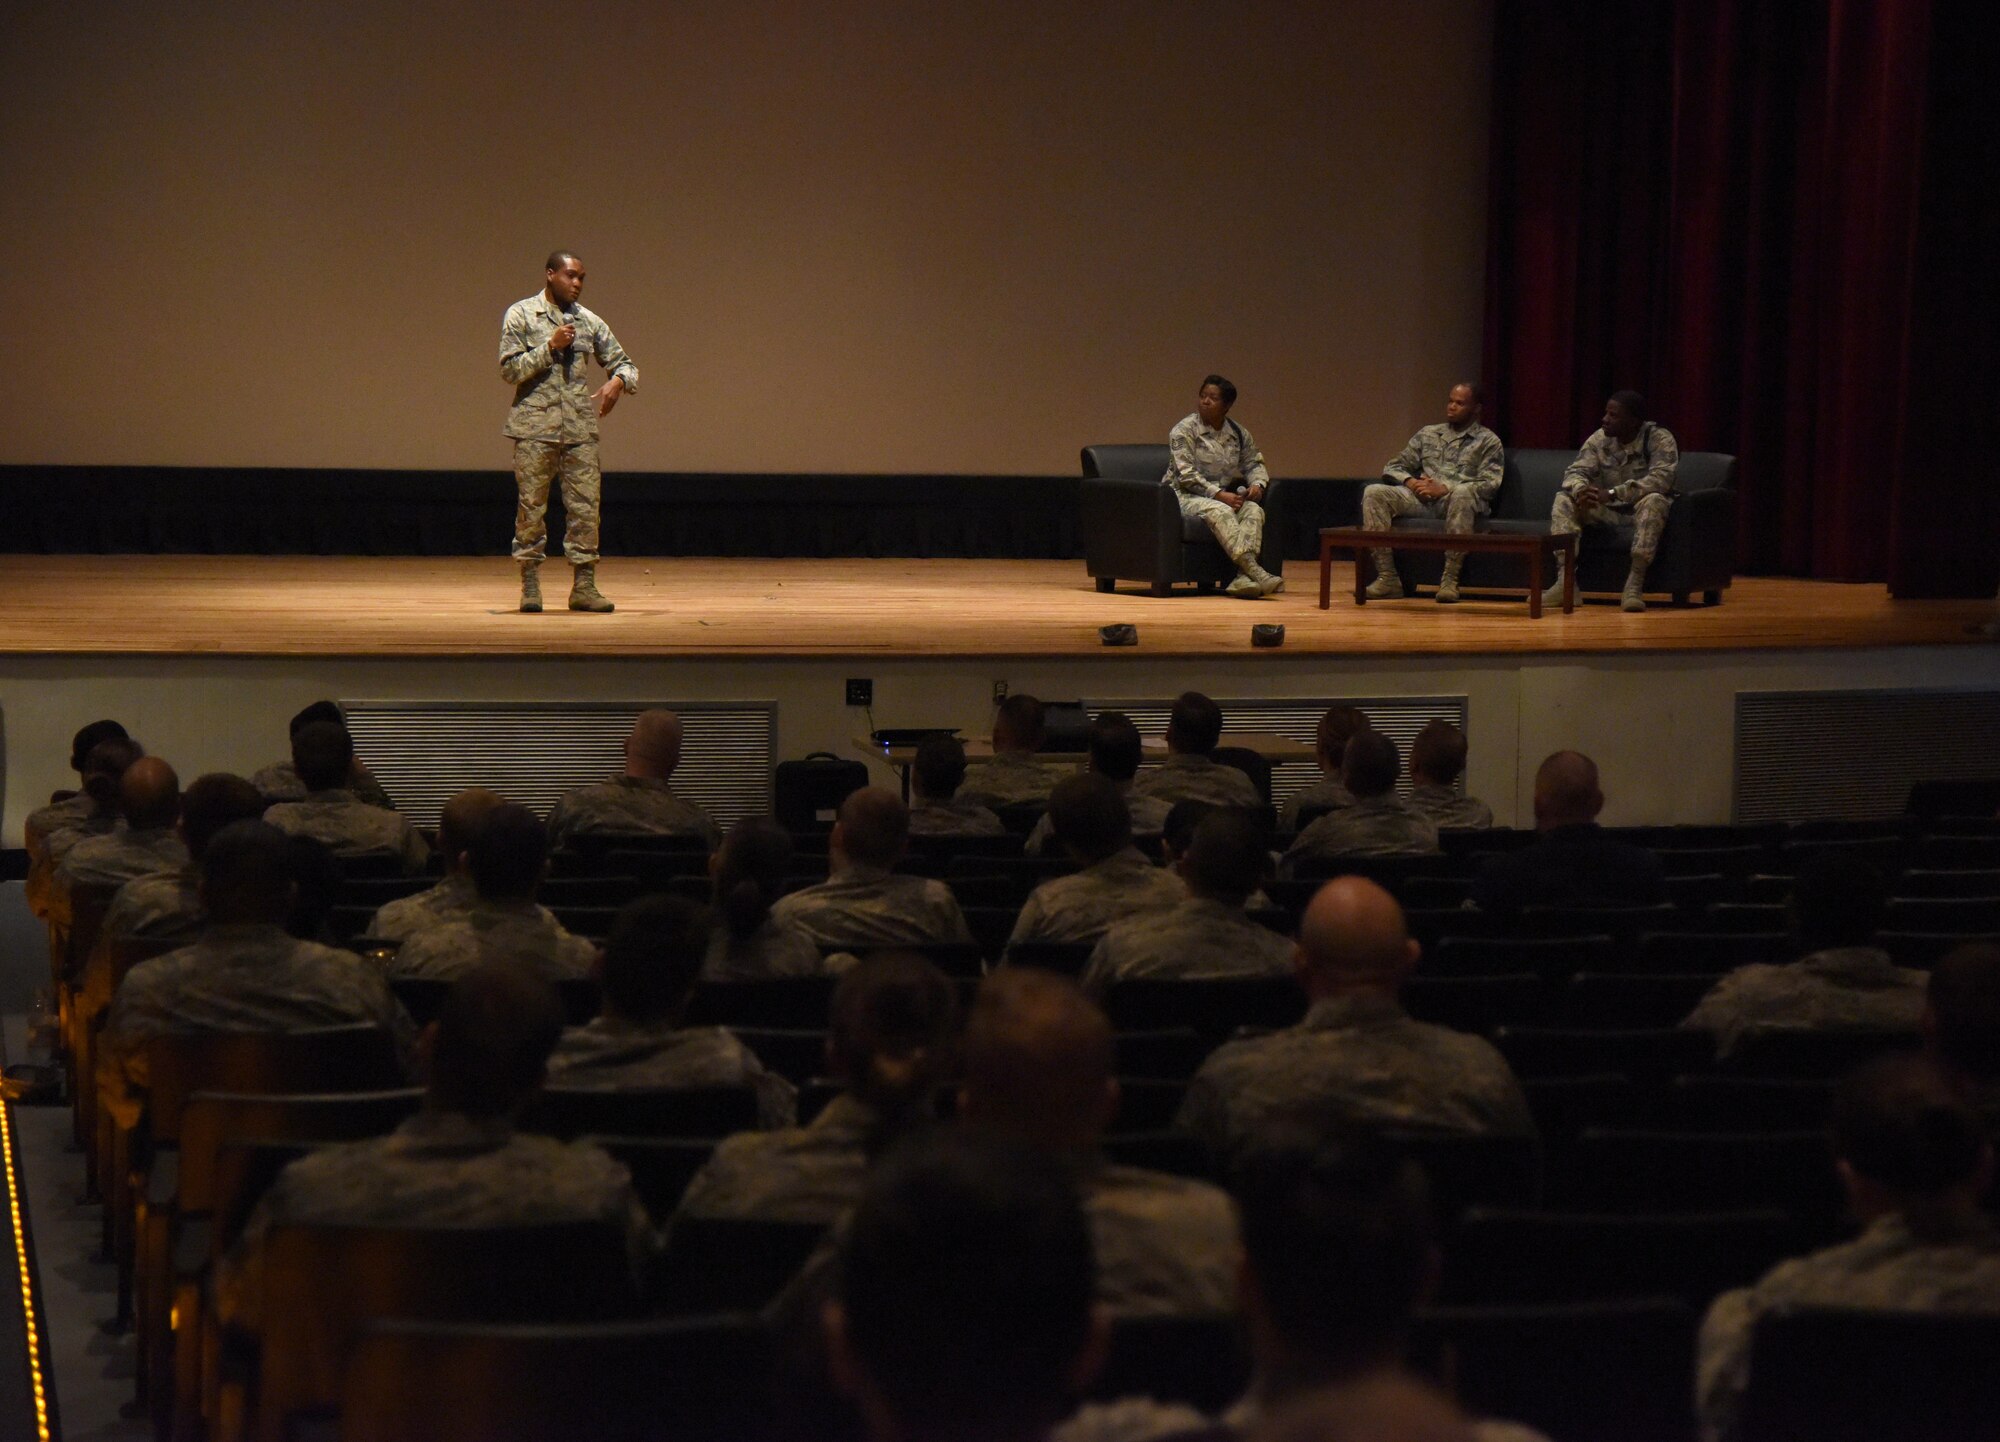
x=1325 y=574
x=1535 y=581
x=1569 y=573
x=1360 y=579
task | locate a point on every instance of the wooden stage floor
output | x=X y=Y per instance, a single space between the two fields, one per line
x=463 y=606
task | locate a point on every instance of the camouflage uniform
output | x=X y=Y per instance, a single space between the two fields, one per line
x=1886 y=1268
x=1378 y=826
x=1850 y=988
x=612 y=1055
x=802 y=1174
x=956 y=817
x=1466 y=462
x=1640 y=478
x=1149 y=818
x=1166 y=1246
x=406 y=915
x=1083 y=906
x=56 y=846
x=1364 y=1057
x=165 y=906
x=280 y=782
x=57 y=816
x=1328 y=793
x=1011 y=778
x=630 y=803
x=1450 y=810
x=553 y=422
x=863 y=906
x=775 y=948
x=1203 y=462
x=1184 y=776
x=1199 y=940
x=514 y=930
x=114 y=859
x=438 y=1169
x=351 y=827
x=240 y=977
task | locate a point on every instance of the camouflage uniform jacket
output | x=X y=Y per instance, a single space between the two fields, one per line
x=351 y=827
x=1376 y=826
x=280 y=782
x=630 y=803
x=399 y=919
x=1146 y=1419
x=45 y=821
x=1186 y=777
x=114 y=859
x=812 y=1173
x=1448 y=809
x=1885 y=1268
x=516 y=930
x=238 y=978
x=56 y=846
x=1644 y=468
x=612 y=1055
x=438 y=1169
x=1083 y=906
x=1366 y=1057
x=1454 y=458
x=775 y=948
x=955 y=817
x=1166 y=1246
x=1199 y=940
x=552 y=395
x=1011 y=778
x=1327 y=793
x=1149 y=818
x=1850 y=988
x=868 y=906
x=165 y=906
x=1201 y=461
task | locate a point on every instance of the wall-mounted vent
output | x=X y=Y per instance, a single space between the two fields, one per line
x=425 y=752
x=1807 y=754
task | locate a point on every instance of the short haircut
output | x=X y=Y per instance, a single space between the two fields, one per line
x=246 y=873
x=1336 y=728
x=1438 y=752
x=1115 y=747
x=318 y=711
x=1478 y=391
x=460 y=819
x=652 y=958
x=1021 y=722
x=556 y=258
x=1898 y=1121
x=105 y=763
x=507 y=853
x=1965 y=1009
x=1632 y=403
x=1369 y=766
x=212 y=802
x=750 y=870
x=1221 y=383
x=323 y=755
x=1183 y=818
x=874 y=826
x=894 y=1022
x=1337 y=1231
x=966 y=1279
x=939 y=768
x=498 y=1024
x=1837 y=901
x=1089 y=817
x=1226 y=859
x=1037 y=1056
x=88 y=736
x=1195 y=723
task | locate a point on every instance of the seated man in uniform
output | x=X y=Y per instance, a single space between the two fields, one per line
x=1379 y=822
x=641 y=799
x=1191 y=772
x=1623 y=476
x=1450 y=472
x=1219 y=479
x=280 y=781
x=67 y=808
x=1115 y=749
x=102 y=769
x=323 y=756
x=459 y=818
x=1014 y=777
x=1962 y=1025
x=1092 y=825
x=863 y=903
x=1573 y=863
x=1437 y=760
x=166 y=905
x=936 y=808
x=149 y=801
x=1329 y=793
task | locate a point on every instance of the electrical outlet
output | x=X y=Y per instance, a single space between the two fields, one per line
x=999 y=692
x=860 y=691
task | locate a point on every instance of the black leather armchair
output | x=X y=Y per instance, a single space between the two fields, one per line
x=1132 y=528
x=1697 y=549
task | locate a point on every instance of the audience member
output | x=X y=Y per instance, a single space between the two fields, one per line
x=1573 y=863
x=894 y=1029
x=937 y=808
x=1209 y=935
x=149 y=803
x=1092 y=825
x=1962 y=1024
x=640 y=800
x=280 y=781
x=1377 y=822
x=1115 y=750
x=317 y=876
x=1437 y=760
x=1358 y=1057
x=1337 y=727
x=1914 y=1159
x=1184 y=818
x=66 y=808
x=507 y=856
x=323 y=756
x=102 y=770
x=1013 y=777
x=748 y=874
x=458 y=821
x=1842 y=981
x=459 y=1162
x=244 y=974
x=862 y=903
x=166 y=905
x=1191 y=772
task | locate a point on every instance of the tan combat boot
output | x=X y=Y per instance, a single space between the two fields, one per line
x=1447 y=591
x=1634 y=598
x=1554 y=595
x=1387 y=585
x=583 y=592
x=531 y=585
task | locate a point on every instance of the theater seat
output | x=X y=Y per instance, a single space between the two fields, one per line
x=1840 y=1375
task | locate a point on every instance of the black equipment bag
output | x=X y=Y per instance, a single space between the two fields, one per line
x=810 y=790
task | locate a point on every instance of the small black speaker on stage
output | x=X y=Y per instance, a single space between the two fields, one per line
x=1119 y=635
x=1267 y=635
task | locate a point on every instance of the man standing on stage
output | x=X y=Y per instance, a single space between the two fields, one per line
x=1449 y=472
x=1623 y=477
x=1220 y=479
x=544 y=342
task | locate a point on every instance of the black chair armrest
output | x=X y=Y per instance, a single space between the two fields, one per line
x=1130 y=528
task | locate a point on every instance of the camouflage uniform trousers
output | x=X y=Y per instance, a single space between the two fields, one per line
x=536 y=465
x=1239 y=532
x=1647 y=518
x=1381 y=503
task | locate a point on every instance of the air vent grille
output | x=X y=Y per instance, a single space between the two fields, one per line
x=1801 y=755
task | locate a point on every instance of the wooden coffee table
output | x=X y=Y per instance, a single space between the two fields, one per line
x=1537 y=548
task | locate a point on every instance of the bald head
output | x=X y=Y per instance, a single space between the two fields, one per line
x=149 y=794
x=1038 y=1062
x=1566 y=791
x=871 y=828
x=459 y=822
x=1353 y=938
x=653 y=749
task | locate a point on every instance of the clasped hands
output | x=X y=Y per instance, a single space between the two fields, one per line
x=1235 y=499
x=1427 y=489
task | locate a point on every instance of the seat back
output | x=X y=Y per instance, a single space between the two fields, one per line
x=789 y=1001
x=1475 y=1171
x=423 y=997
x=1843 y=1375
x=1147 y=462
x=324 y=1059
x=211 y=1118
x=571 y=1112
x=1504 y=1256
x=1823 y=1055
x=1210 y=1008
x=661 y=1167
x=1529 y=480
x=722 y=1264
x=1200 y=1361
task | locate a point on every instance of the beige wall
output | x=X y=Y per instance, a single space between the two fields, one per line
x=959 y=237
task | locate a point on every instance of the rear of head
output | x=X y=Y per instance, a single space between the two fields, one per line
x=1194 y=726
x=749 y=872
x=653 y=749
x=1353 y=938
x=964 y=1302
x=939 y=769
x=1089 y=817
x=1566 y=791
x=1115 y=747
x=1183 y=819
x=871 y=828
x=1227 y=859
x=1437 y=756
x=1837 y=901
x=104 y=768
x=1337 y=727
x=212 y=802
x=323 y=755
x=1369 y=766
x=1907 y=1141
x=652 y=959
x=149 y=795
x=320 y=712
x=1019 y=724
x=1038 y=1060
x=508 y=853
x=491 y=1041
x=1964 y=1019
x=246 y=875
x=894 y=1030
x=88 y=736
x=460 y=819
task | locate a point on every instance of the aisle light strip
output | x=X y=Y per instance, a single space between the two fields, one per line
x=27 y=1272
